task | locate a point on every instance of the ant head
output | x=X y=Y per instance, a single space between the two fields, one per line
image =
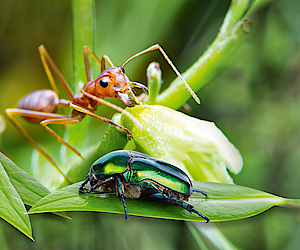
x=112 y=82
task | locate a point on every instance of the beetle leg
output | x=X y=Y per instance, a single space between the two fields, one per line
x=120 y=192
x=200 y=191
x=82 y=185
x=152 y=185
x=181 y=203
x=98 y=184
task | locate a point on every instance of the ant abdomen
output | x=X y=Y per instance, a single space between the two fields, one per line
x=45 y=100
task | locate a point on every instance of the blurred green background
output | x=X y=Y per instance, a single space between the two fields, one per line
x=254 y=101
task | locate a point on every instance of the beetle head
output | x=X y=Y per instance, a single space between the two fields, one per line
x=92 y=180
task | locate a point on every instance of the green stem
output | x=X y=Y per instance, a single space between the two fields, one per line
x=83 y=34
x=196 y=235
x=214 y=235
x=209 y=64
x=78 y=135
x=292 y=203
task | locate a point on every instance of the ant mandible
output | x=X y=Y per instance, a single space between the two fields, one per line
x=41 y=106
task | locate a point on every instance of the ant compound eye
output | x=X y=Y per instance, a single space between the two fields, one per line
x=103 y=83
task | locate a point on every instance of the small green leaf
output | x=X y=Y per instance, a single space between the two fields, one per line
x=11 y=206
x=154 y=79
x=225 y=202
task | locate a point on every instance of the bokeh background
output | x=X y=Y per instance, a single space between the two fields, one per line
x=255 y=102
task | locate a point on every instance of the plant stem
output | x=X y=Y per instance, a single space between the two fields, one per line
x=83 y=16
x=83 y=34
x=209 y=64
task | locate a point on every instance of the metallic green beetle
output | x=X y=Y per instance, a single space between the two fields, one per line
x=136 y=175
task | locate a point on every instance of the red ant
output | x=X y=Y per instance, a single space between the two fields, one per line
x=41 y=106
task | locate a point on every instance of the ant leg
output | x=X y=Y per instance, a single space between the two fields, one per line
x=87 y=50
x=103 y=119
x=102 y=101
x=155 y=47
x=62 y=121
x=47 y=61
x=10 y=113
x=101 y=63
x=133 y=96
x=139 y=85
x=103 y=59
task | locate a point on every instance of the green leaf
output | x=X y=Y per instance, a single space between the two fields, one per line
x=225 y=202
x=29 y=189
x=11 y=206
